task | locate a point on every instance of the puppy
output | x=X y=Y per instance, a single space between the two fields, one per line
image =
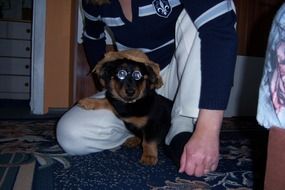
x=130 y=80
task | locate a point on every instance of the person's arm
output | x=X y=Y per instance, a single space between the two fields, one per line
x=201 y=153
x=93 y=34
x=215 y=22
x=218 y=57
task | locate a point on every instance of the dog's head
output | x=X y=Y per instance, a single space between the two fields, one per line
x=128 y=75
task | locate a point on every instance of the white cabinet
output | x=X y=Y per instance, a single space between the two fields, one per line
x=15 y=59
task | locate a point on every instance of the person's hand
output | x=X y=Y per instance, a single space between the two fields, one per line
x=201 y=153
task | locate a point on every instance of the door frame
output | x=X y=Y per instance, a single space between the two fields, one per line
x=38 y=57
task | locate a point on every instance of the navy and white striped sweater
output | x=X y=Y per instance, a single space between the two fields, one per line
x=153 y=28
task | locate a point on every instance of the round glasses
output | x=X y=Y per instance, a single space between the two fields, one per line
x=122 y=74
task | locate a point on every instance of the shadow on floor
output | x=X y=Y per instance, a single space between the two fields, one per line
x=20 y=109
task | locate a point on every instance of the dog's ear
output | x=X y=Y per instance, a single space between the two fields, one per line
x=103 y=72
x=97 y=82
x=102 y=68
x=154 y=75
x=98 y=73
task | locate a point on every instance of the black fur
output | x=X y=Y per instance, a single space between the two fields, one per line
x=131 y=95
x=152 y=105
x=156 y=107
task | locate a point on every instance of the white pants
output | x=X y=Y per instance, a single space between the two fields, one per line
x=82 y=131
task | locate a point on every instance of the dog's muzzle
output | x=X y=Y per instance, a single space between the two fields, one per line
x=130 y=92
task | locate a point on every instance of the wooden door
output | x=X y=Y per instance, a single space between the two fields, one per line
x=83 y=85
x=254 y=23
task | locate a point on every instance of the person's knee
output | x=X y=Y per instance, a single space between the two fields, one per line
x=83 y=132
x=69 y=136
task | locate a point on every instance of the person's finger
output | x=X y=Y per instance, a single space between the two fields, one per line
x=199 y=170
x=190 y=167
x=194 y=166
x=206 y=171
x=182 y=162
x=187 y=164
x=209 y=165
x=213 y=167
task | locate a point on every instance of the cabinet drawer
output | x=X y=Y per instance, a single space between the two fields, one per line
x=15 y=96
x=15 y=30
x=19 y=30
x=15 y=66
x=15 y=48
x=3 y=29
x=14 y=84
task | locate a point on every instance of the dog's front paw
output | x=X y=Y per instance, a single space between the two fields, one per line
x=132 y=142
x=149 y=160
x=87 y=103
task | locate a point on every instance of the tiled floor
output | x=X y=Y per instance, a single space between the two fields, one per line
x=20 y=109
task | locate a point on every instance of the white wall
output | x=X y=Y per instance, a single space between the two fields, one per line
x=244 y=95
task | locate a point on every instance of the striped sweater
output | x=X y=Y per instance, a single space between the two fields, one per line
x=152 y=30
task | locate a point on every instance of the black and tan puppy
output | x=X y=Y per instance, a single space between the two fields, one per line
x=130 y=80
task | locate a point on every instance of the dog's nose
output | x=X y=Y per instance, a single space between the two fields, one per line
x=130 y=91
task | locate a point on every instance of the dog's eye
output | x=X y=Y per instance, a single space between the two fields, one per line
x=122 y=74
x=137 y=75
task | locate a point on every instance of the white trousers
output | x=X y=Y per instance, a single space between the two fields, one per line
x=82 y=131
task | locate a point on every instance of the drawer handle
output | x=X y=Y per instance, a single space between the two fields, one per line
x=26 y=84
x=27 y=48
x=27 y=66
x=28 y=31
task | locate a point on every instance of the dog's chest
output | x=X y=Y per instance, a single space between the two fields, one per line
x=135 y=115
x=135 y=121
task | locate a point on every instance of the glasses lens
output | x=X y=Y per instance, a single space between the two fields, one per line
x=137 y=75
x=122 y=74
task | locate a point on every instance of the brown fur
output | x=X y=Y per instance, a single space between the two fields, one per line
x=149 y=155
x=132 y=142
x=139 y=122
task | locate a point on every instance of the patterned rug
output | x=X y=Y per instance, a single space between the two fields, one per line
x=30 y=158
